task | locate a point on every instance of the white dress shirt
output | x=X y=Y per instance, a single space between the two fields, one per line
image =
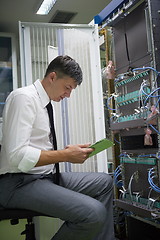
x=25 y=131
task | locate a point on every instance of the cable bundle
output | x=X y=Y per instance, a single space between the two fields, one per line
x=151 y=175
x=117 y=173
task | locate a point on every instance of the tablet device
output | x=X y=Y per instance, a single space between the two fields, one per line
x=100 y=146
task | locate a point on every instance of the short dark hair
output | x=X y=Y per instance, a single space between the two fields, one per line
x=65 y=66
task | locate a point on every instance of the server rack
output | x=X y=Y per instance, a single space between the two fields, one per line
x=135 y=26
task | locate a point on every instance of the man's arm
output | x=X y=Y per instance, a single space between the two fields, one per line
x=72 y=153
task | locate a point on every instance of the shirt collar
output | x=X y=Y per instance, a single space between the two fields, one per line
x=42 y=93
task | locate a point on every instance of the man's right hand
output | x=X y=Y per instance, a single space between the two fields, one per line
x=78 y=153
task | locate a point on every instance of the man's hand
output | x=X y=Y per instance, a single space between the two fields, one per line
x=78 y=153
x=72 y=153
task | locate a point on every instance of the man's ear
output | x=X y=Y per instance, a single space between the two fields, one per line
x=52 y=76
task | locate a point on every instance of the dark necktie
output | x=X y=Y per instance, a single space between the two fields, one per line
x=50 y=114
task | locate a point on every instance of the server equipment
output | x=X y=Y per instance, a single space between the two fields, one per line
x=136 y=115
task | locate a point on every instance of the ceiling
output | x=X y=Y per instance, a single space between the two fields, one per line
x=13 y=11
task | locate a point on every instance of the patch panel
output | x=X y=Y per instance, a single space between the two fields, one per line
x=130 y=79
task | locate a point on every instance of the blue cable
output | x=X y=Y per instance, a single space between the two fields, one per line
x=123 y=155
x=150 y=177
x=153 y=186
x=151 y=94
x=116 y=141
x=144 y=68
x=107 y=104
x=117 y=173
x=144 y=92
x=117 y=170
x=148 y=155
x=154 y=128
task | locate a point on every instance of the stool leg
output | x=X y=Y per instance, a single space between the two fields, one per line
x=29 y=230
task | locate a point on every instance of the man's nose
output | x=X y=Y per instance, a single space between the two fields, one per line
x=68 y=93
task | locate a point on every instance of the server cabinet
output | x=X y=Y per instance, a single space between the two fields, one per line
x=135 y=26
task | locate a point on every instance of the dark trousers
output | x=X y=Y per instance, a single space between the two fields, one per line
x=82 y=200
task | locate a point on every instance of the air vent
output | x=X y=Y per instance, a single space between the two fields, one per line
x=62 y=17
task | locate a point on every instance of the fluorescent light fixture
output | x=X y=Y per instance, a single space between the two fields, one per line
x=45 y=7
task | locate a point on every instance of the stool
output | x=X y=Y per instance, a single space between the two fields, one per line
x=15 y=214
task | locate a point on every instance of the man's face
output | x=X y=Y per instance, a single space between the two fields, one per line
x=61 y=88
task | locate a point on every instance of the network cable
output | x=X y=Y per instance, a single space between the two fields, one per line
x=142 y=92
x=145 y=68
x=150 y=95
x=147 y=155
x=154 y=129
x=107 y=103
x=116 y=141
x=118 y=173
x=151 y=175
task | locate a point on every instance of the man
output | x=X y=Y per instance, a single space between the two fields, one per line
x=82 y=200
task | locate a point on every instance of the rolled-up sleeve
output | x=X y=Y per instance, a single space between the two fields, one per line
x=29 y=160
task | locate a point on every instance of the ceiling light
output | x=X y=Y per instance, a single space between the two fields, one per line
x=45 y=7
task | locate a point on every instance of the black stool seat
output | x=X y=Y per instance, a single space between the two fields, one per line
x=15 y=214
x=18 y=214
